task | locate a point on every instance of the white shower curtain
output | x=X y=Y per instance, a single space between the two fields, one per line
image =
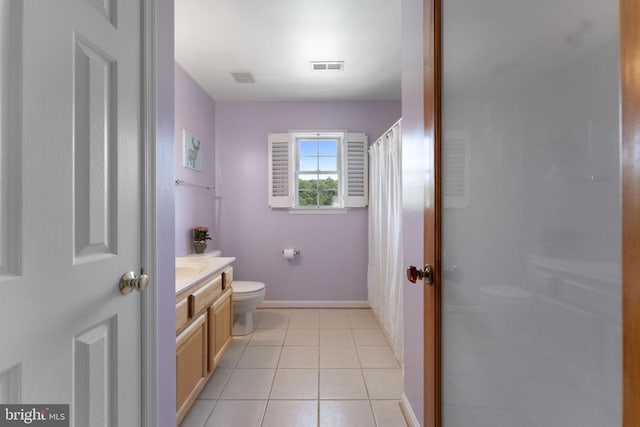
x=385 y=271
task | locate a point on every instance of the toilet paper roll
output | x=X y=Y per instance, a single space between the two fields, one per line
x=289 y=253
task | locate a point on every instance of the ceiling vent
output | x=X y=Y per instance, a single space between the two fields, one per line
x=327 y=65
x=243 y=77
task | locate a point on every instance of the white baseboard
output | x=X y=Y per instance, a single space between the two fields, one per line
x=407 y=411
x=313 y=304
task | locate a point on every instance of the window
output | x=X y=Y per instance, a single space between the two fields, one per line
x=318 y=170
x=317 y=174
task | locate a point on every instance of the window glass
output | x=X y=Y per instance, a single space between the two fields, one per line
x=328 y=163
x=317 y=173
x=328 y=147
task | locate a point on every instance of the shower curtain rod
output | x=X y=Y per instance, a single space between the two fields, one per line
x=380 y=139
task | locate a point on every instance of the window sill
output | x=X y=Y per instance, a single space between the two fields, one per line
x=332 y=211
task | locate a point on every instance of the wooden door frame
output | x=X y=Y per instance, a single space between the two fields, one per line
x=630 y=134
x=629 y=11
x=432 y=34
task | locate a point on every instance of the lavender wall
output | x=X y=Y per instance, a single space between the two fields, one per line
x=333 y=262
x=165 y=266
x=194 y=111
x=413 y=146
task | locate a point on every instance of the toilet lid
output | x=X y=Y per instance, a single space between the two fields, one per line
x=246 y=287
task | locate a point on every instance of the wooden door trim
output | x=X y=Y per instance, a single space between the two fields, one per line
x=630 y=111
x=432 y=212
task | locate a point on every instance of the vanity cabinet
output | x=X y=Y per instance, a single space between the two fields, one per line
x=220 y=324
x=204 y=321
x=191 y=362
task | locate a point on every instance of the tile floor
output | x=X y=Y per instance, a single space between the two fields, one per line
x=304 y=368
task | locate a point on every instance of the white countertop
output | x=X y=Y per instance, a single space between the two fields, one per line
x=192 y=269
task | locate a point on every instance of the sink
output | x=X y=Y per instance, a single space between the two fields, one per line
x=191 y=269
x=184 y=272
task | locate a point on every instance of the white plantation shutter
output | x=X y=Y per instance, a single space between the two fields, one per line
x=355 y=170
x=280 y=177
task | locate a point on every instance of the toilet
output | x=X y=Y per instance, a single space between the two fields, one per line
x=247 y=296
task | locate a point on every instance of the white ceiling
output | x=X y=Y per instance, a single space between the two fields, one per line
x=276 y=40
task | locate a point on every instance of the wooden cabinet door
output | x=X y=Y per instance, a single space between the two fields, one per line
x=191 y=364
x=221 y=322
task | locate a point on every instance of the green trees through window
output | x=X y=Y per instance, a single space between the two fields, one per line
x=318 y=192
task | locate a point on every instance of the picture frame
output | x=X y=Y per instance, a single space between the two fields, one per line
x=191 y=151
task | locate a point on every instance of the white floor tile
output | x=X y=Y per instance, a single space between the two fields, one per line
x=291 y=413
x=346 y=413
x=342 y=384
x=360 y=312
x=299 y=357
x=198 y=414
x=333 y=312
x=260 y=356
x=249 y=384
x=377 y=357
x=339 y=357
x=336 y=337
x=295 y=384
x=318 y=356
x=364 y=322
x=274 y=321
x=216 y=383
x=231 y=357
x=304 y=323
x=241 y=340
x=299 y=313
x=384 y=383
x=388 y=413
x=337 y=322
x=307 y=337
x=369 y=337
x=268 y=337
x=237 y=413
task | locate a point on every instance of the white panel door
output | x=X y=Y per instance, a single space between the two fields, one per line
x=70 y=155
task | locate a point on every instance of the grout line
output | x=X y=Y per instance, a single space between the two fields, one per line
x=213 y=408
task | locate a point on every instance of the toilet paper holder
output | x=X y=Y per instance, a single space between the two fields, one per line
x=295 y=252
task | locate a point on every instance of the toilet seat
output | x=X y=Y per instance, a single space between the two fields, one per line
x=246 y=290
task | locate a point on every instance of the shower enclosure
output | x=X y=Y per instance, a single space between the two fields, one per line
x=531 y=305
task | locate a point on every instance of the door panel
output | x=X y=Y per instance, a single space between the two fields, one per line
x=70 y=146
x=531 y=276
